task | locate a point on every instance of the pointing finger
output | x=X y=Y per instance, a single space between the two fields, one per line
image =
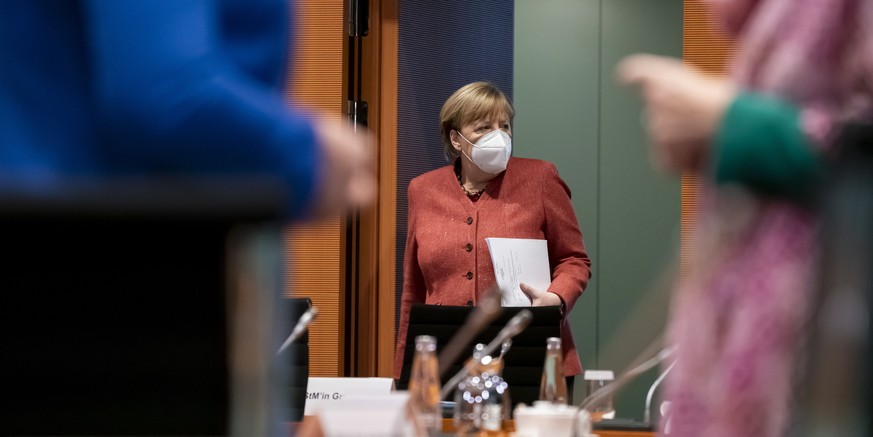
x=639 y=69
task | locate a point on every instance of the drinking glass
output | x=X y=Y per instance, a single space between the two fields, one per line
x=602 y=408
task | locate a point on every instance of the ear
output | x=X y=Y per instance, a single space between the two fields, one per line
x=453 y=137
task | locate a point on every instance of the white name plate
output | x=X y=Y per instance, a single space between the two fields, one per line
x=329 y=391
x=367 y=416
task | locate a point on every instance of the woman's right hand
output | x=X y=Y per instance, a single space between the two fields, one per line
x=540 y=298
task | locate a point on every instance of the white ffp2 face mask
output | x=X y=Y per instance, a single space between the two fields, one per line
x=491 y=153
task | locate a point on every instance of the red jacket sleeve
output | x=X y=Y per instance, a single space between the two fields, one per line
x=571 y=267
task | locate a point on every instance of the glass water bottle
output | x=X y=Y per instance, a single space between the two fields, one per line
x=482 y=404
x=553 y=387
x=424 y=385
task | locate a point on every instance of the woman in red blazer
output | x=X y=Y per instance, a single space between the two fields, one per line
x=487 y=193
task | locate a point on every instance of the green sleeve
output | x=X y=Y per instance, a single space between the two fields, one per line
x=760 y=145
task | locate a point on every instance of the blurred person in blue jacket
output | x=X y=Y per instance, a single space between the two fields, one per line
x=168 y=88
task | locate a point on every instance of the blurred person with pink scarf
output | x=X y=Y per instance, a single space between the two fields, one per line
x=758 y=141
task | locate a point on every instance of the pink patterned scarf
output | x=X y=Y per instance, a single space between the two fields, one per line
x=738 y=315
x=815 y=53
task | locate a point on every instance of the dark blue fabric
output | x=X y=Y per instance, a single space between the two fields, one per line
x=443 y=45
x=158 y=87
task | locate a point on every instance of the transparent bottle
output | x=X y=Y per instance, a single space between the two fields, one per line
x=424 y=385
x=553 y=387
x=482 y=404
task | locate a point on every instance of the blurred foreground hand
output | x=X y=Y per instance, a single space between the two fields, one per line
x=348 y=175
x=683 y=109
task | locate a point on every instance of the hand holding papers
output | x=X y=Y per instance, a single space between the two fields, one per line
x=519 y=260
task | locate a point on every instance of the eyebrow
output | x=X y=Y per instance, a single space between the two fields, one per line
x=487 y=120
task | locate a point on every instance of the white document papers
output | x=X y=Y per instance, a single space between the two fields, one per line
x=519 y=260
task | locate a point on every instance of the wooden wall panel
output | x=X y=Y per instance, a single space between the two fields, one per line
x=316 y=78
x=703 y=45
x=387 y=86
x=313 y=254
x=706 y=48
x=313 y=251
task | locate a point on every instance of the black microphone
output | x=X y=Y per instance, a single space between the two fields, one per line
x=305 y=320
x=513 y=327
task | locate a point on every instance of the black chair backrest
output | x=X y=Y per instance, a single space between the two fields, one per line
x=523 y=363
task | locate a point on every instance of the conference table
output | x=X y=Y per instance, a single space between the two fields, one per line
x=310 y=428
x=449 y=430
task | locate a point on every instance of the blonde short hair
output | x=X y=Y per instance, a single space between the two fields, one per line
x=471 y=102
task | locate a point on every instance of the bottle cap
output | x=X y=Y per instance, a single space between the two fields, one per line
x=599 y=375
x=425 y=342
x=425 y=338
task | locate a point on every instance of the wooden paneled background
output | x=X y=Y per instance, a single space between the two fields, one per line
x=705 y=47
x=313 y=251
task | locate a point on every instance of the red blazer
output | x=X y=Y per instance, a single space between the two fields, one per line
x=447 y=260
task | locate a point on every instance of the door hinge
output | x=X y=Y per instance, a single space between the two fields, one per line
x=357 y=112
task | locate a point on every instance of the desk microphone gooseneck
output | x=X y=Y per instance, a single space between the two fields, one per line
x=305 y=320
x=647 y=414
x=627 y=377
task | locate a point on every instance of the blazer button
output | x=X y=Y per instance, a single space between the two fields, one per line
x=469 y=220
x=469 y=303
x=469 y=275
x=468 y=247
